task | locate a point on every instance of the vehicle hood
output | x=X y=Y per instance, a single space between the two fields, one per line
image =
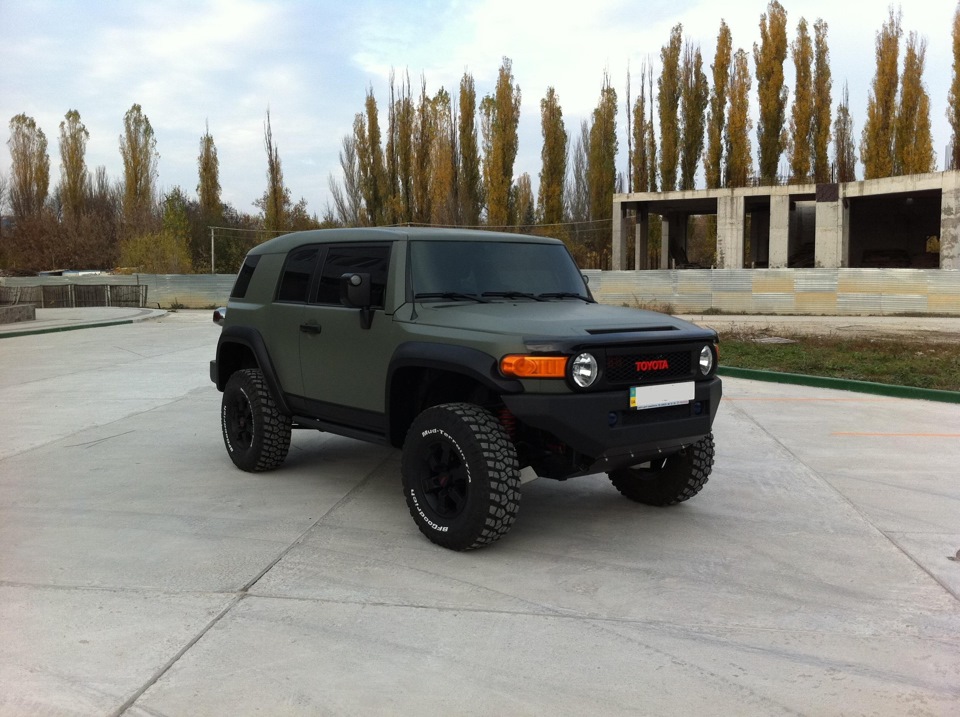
x=566 y=319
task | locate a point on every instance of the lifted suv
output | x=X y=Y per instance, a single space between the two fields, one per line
x=477 y=353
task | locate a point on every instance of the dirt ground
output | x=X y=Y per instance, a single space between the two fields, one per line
x=931 y=329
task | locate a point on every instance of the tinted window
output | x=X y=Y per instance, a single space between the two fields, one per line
x=479 y=267
x=373 y=260
x=297 y=270
x=243 y=278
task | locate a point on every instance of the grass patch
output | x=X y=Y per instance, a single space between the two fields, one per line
x=897 y=361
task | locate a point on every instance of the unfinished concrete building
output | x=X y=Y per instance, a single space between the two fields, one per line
x=895 y=222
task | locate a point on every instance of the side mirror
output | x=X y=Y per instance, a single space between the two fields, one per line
x=356 y=293
x=586 y=279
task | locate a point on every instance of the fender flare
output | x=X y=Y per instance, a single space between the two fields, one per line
x=251 y=339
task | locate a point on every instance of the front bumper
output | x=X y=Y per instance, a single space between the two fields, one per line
x=603 y=427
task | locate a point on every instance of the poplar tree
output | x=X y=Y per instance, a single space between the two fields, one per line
x=526 y=213
x=30 y=167
x=640 y=161
x=713 y=158
x=348 y=197
x=953 y=97
x=801 y=118
x=470 y=190
x=651 y=141
x=876 y=146
x=668 y=101
x=403 y=143
x=578 y=188
x=138 y=148
x=912 y=141
x=554 y=160
x=694 y=95
x=208 y=186
x=602 y=158
x=843 y=144
x=769 y=57
x=738 y=161
x=822 y=102
x=368 y=151
x=443 y=162
x=275 y=201
x=501 y=115
x=423 y=142
x=74 y=177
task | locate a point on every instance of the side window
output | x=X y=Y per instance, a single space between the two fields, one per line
x=297 y=271
x=243 y=278
x=365 y=259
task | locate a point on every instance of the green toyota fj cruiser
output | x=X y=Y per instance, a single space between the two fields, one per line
x=477 y=353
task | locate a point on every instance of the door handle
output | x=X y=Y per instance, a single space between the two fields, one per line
x=310 y=328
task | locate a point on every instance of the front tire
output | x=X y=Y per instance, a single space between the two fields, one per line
x=461 y=478
x=256 y=434
x=668 y=481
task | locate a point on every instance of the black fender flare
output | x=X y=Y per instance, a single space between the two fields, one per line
x=464 y=360
x=251 y=339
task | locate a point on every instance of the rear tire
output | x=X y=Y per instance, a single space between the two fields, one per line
x=256 y=434
x=668 y=481
x=461 y=477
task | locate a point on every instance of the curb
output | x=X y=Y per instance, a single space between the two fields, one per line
x=58 y=329
x=842 y=384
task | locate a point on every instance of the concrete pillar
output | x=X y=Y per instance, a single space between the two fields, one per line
x=642 y=242
x=779 y=243
x=618 y=256
x=829 y=245
x=665 y=223
x=730 y=219
x=950 y=221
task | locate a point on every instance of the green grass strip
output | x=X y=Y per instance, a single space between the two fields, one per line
x=842 y=384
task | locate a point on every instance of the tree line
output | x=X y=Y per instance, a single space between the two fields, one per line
x=440 y=159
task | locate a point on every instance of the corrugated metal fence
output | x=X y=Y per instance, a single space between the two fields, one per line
x=752 y=291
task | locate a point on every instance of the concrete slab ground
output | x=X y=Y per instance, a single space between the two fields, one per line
x=142 y=574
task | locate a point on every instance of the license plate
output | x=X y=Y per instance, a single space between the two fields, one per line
x=667 y=394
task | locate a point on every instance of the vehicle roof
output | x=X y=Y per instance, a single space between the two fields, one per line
x=285 y=242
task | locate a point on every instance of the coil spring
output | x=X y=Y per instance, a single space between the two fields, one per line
x=509 y=423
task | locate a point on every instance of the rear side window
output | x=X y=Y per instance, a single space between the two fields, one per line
x=243 y=278
x=297 y=271
x=372 y=259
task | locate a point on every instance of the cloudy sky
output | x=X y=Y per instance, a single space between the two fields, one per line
x=224 y=62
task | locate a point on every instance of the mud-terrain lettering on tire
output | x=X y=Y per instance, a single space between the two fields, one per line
x=256 y=434
x=461 y=478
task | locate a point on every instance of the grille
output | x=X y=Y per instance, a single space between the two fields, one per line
x=622 y=368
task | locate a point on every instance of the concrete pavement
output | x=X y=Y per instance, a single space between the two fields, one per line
x=142 y=574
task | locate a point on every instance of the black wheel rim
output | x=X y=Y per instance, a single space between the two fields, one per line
x=241 y=420
x=444 y=480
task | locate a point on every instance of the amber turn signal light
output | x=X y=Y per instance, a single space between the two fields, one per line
x=533 y=366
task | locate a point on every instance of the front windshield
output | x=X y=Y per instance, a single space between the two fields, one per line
x=491 y=269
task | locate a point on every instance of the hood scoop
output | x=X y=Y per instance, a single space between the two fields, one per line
x=635 y=330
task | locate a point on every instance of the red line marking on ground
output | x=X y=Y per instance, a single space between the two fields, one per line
x=898 y=435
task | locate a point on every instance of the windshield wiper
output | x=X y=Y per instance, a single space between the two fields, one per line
x=454 y=295
x=512 y=295
x=565 y=295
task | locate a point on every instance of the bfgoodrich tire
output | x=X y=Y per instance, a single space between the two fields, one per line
x=461 y=478
x=256 y=434
x=675 y=479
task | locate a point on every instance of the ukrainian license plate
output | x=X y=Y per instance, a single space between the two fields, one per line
x=666 y=394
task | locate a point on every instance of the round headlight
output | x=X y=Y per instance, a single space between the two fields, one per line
x=706 y=360
x=583 y=370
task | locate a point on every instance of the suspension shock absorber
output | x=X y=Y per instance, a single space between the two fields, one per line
x=509 y=423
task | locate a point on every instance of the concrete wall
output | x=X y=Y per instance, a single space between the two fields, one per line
x=753 y=291
x=837 y=292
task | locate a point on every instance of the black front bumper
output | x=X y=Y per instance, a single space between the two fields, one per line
x=603 y=427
